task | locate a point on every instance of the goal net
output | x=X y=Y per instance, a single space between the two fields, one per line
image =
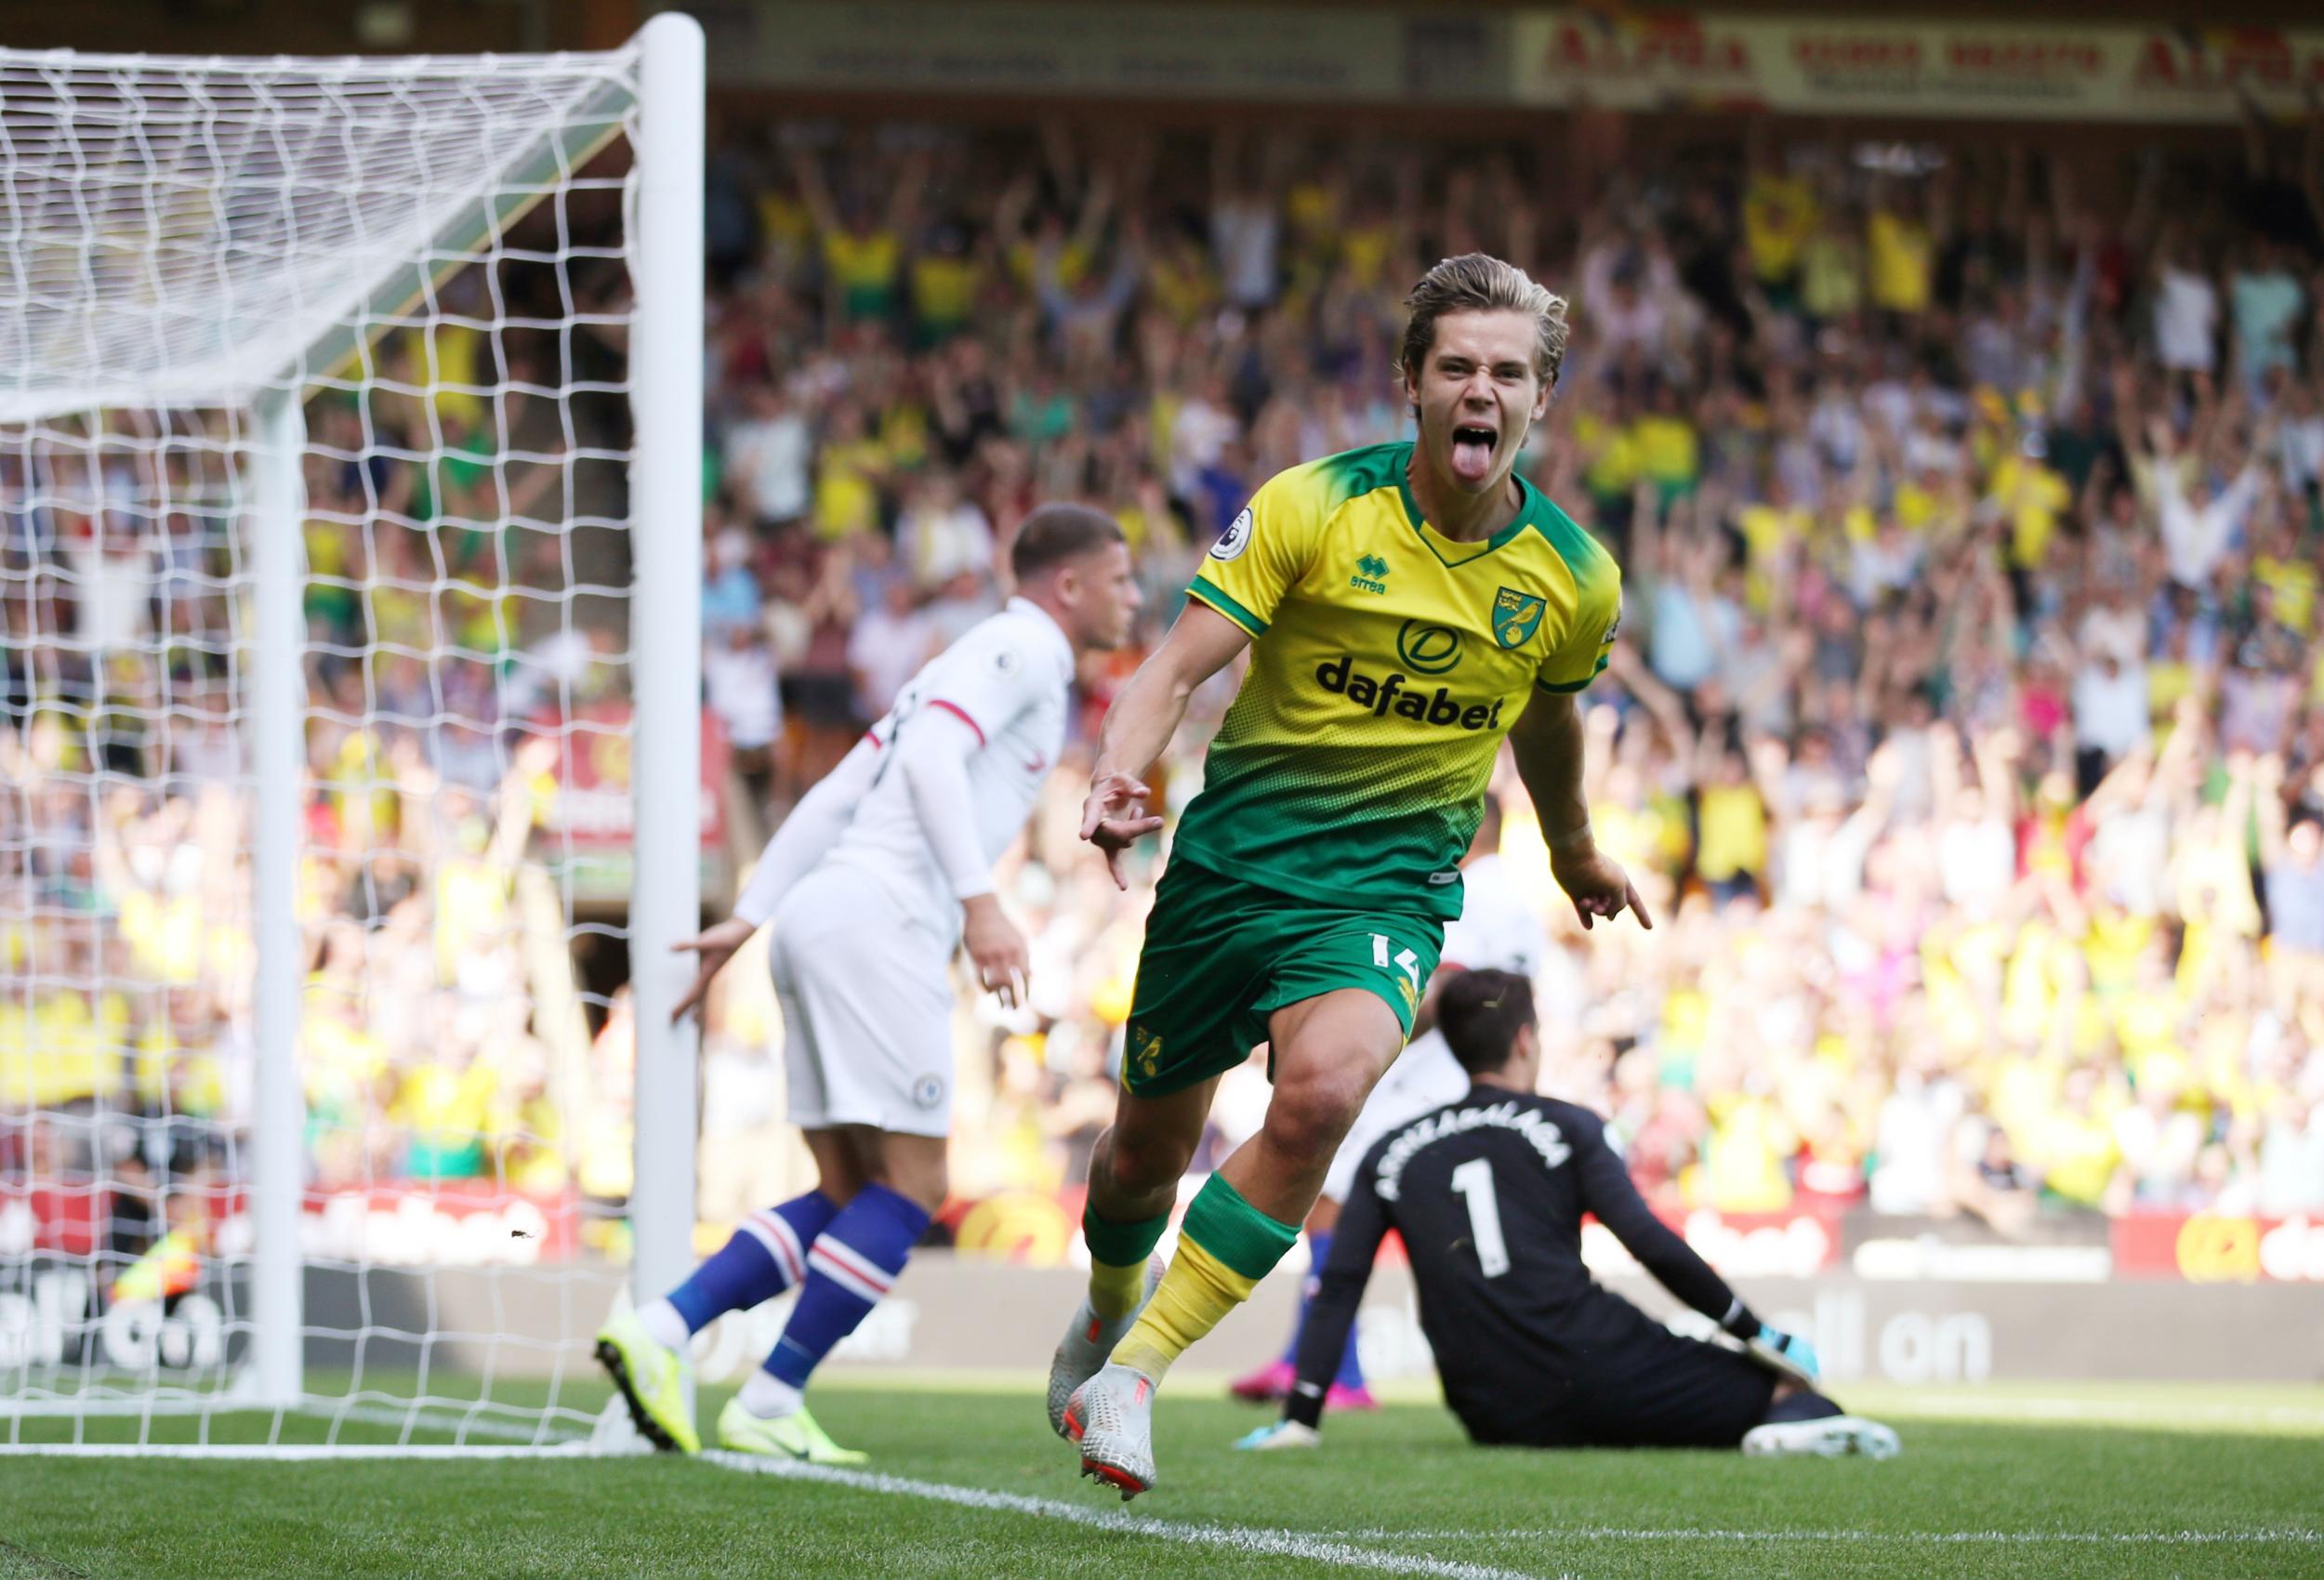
x=348 y=544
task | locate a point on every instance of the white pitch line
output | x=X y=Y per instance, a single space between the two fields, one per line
x=437 y=1418
x=2279 y=1537
x=1235 y=1538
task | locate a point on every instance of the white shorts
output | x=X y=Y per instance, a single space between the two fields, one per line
x=1424 y=1077
x=866 y=1003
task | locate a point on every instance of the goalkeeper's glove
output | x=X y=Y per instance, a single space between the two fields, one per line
x=1786 y=1354
x=1280 y=1434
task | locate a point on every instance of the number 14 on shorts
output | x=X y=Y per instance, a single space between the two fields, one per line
x=1404 y=960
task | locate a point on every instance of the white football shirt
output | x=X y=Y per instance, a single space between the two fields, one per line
x=1007 y=678
x=1499 y=930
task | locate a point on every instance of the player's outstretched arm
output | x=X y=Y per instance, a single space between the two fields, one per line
x=1548 y=743
x=1140 y=723
x=1608 y=1192
x=798 y=844
x=933 y=756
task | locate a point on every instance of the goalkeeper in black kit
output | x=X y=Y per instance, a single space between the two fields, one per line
x=1489 y=1194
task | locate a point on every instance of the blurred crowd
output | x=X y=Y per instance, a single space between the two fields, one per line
x=1968 y=726
x=450 y=641
x=1966 y=734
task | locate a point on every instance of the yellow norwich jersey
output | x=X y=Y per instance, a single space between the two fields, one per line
x=1388 y=663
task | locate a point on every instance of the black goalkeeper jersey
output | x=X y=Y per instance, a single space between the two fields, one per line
x=1489 y=1194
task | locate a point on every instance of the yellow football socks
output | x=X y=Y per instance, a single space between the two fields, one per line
x=1118 y=1253
x=1225 y=1247
x=1114 y=1291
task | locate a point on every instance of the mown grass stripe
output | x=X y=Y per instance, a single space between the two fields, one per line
x=1234 y=1539
x=2280 y=1536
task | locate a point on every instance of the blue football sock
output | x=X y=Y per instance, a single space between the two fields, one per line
x=849 y=1267
x=767 y=1255
x=1351 y=1373
x=1318 y=1252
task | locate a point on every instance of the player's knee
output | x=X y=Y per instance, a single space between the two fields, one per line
x=915 y=1171
x=926 y=1188
x=1312 y=1114
x=839 y=1184
x=1142 y=1163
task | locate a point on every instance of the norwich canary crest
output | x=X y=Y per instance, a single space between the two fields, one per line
x=1515 y=617
x=1145 y=1049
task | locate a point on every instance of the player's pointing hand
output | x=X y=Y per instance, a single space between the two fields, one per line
x=1598 y=887
x=1115 y=818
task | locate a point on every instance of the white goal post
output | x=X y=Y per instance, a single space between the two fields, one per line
x=351 y=436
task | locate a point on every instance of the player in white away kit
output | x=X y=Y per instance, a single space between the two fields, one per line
x=1499 y=930
x=879 y=874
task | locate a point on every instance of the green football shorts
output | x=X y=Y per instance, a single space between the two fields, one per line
x=1220 y=955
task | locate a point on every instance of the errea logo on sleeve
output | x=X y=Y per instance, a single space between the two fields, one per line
x=1236 y=539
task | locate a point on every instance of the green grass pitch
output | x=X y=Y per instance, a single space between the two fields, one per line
x=2034 y=1482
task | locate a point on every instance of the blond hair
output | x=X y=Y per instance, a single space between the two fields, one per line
x=1480 y=283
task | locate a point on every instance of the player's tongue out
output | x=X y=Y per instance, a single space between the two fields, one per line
x=1472 y=451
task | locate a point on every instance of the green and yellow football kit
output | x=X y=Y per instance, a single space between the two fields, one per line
x=1388 y=663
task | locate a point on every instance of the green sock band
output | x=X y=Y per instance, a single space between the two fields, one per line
x=1121 y=1245
x=1236 y=1232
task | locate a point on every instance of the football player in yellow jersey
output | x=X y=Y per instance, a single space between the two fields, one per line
x=1407 y=607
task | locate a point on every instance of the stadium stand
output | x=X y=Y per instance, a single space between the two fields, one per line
x=1969 y=725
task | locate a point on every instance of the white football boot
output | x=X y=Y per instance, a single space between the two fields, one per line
x=1831 y=1437
x=1112 y=1417
x=1277 y=1435
x=1089 y=1338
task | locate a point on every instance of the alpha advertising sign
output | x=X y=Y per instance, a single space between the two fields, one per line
x=1882 y=66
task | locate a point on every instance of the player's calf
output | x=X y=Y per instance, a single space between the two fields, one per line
x=849 y=1269
x=1225 y=1246
x=766 y=1254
